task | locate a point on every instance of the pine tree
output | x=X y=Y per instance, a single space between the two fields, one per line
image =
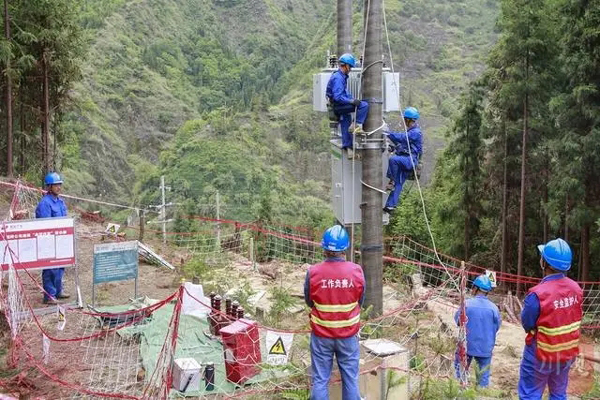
x=577 y=150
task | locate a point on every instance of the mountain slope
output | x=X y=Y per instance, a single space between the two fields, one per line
x=242 y=71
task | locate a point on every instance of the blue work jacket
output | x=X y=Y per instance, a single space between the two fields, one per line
x=51 y=206
x=415 y=138
x=483 y=322
x=337 y=90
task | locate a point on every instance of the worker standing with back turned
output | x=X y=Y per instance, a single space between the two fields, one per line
x=551 y=316
x=334 y=290
x=483 y=323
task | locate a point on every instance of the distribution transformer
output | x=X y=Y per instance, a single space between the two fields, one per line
x=346 y=174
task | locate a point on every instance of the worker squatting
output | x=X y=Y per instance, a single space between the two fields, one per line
x=408 y=146
x=552 y=312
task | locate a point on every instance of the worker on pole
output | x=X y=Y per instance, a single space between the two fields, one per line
x=334 y=290
x=408 y=151
x=483 y=323
x=552 y=312
x=344 y=104
x=50 y=206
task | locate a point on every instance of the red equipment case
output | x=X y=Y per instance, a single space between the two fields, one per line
x=241 y=343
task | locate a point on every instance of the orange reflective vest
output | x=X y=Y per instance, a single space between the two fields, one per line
x=558 y=326
x=335 y=289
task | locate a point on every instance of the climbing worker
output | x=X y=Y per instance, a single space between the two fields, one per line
x=334 y=290
x=552 y=312
x=409 y=148
x=483 y=322
x=343 y=104
x=51 y=206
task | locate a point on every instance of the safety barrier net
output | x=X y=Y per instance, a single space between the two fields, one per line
x=136 y=349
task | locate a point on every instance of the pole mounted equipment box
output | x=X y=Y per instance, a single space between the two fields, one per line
x=391 y=88
x=346 y=192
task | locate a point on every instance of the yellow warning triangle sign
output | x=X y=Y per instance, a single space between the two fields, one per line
x=278 y=347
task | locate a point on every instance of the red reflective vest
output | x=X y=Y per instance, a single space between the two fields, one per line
x=561 y=310
x=335 y=289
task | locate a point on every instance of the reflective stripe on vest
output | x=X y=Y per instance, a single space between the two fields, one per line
x=332 y=308
x=553 y=348
x=335 y=287
x=558 y=325
x=335 y=324
x=560 y=330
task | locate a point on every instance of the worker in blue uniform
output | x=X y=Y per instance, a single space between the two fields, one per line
x=551 y=316
x=334 y=290
x=483 y=322
x=344 y=104
x=408 y=151
x=52 y=206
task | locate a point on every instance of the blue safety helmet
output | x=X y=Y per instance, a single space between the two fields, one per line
x=557 y=254
x=349 y=59
x=335 y=239
x=483 y=282
x=52 y=179
x=411 y=113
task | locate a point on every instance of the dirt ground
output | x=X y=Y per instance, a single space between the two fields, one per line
x=159 y=282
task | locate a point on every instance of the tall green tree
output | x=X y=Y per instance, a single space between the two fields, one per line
x=42 y=51
x=524 y=59
x=467 y=147
x=576 y=152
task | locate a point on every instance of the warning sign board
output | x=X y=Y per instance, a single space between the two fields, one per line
x=278 y=347
x=112 y=229
x=492 y=275
x=115 y=261
x=38 y=243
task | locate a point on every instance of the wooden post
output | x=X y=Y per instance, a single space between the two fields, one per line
x=142 y=224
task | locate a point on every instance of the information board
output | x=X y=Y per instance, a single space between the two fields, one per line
x=38 y=243
x=115 y=261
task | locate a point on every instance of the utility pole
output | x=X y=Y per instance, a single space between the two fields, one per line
x=344 y=27
x=372 y=174
x=162 y=213
x=163 y=209
x=218 y=221
x=344 y=45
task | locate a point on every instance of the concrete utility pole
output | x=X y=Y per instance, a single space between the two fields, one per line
x=344 y=27
x=218 y=220
x=344 y=45
x=163 y=209
x=372 y=202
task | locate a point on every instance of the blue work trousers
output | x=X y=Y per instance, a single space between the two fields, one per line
x=344 y=111
x=535 y=375
x=52 y=282
x=347 y=353
x=482 y=372
x=399 y=167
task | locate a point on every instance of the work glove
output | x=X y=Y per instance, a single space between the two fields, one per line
x=356 y=102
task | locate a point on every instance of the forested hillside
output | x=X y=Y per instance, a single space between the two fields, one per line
x=521 y=167
x=232 y=79
x=216 y=95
